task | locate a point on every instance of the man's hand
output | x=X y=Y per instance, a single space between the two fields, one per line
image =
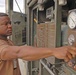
x=66 y=53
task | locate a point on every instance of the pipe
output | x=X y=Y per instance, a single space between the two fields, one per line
x=32 y=3
x=42 y=1
x=46 y=67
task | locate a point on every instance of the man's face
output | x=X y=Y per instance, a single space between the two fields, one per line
x=5 y=26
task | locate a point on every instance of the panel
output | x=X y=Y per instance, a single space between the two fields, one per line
x=19 y=28
x=46 y=37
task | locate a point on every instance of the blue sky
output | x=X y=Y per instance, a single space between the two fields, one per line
x=2 y=5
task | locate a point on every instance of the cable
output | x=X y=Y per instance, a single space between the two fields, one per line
x=18 y=6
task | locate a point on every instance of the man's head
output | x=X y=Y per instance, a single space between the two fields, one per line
x=5 y=25
x=3 y=14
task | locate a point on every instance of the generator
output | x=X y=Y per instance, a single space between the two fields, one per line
x=53 y=25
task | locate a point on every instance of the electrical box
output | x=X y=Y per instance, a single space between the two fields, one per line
x=19 y=28
x=49 y=12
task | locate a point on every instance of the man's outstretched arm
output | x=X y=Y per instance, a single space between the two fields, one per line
x=33 y=53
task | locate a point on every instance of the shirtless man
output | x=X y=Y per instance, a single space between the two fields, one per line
x=10 y=53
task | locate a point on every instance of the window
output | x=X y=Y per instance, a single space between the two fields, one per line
x=2 y=5
x=18 y=5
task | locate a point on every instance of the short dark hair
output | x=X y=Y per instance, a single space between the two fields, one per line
x=3 y=14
